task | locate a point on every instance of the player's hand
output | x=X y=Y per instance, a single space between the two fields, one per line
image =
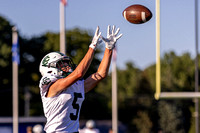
x=112 y=37
x=95 y=40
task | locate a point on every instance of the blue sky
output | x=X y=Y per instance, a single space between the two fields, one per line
x=35 y=17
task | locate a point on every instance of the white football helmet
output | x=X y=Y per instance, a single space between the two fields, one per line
x=50 y=64
x=90 y=124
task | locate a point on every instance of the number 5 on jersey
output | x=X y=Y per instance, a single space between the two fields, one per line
x=75 y=106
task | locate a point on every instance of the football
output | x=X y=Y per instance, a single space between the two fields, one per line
x=137 y=14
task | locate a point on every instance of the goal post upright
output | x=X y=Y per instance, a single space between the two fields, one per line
x=159 y=94
x=177 y=95
x=158 y=79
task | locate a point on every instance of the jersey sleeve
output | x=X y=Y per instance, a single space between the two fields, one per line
x=46 y=82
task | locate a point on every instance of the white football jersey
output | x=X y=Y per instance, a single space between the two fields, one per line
x=62 y=111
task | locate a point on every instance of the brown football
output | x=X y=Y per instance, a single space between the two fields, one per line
x=137 y=14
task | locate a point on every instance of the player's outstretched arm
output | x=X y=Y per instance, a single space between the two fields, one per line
x=80 y=70
x=103 y=69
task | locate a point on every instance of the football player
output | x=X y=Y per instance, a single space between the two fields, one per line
x=62 y=88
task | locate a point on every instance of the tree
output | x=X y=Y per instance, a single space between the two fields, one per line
x=177 y=72
x=143 y=122
x=5 y=65
x=170 y=118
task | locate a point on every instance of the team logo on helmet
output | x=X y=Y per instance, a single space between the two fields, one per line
x=45 y=61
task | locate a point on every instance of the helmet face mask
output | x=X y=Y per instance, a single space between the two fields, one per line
x=65 y=66
x=56 y=63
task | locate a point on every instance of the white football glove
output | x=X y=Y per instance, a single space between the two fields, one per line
x=95 y=40
x=112 y=37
